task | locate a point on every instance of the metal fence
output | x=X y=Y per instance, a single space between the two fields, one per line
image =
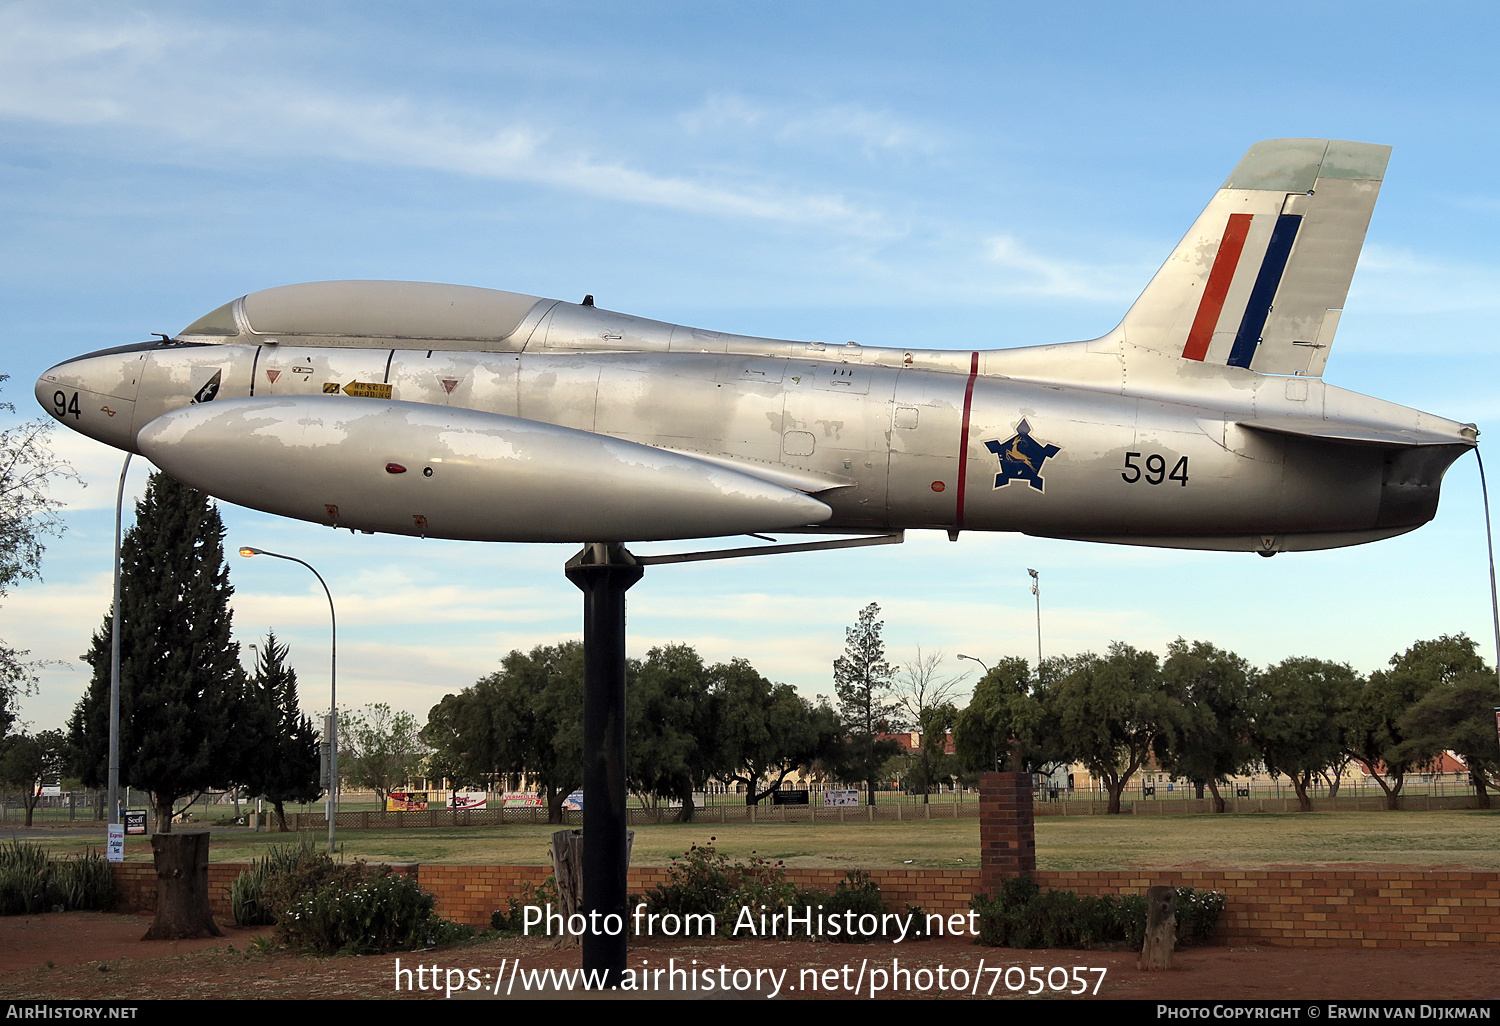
x=84 y=807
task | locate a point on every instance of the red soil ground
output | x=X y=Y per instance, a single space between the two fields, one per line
x=90 y=955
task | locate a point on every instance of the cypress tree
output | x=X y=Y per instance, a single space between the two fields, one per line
x=281 y=756
x=181 y=683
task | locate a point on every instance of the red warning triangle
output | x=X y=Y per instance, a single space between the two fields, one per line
x=449 y=384
x=272 y=375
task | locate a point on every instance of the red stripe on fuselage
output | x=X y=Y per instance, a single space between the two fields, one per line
x=1219 y=278
x=963 y=443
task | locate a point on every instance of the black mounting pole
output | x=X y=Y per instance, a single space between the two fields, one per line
x=604 y=571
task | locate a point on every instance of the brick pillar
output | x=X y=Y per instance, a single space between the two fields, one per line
x=1007 y=829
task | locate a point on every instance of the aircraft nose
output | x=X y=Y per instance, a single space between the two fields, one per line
x=95 y=394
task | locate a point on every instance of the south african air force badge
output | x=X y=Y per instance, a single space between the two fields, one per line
x=1021 y=457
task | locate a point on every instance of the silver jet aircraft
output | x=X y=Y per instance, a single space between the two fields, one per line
x=1201 y=421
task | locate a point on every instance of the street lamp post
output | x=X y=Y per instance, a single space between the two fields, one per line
x=333 y=692
x=1036 y=589
x=114 y=661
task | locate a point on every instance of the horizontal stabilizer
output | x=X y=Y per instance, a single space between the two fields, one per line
x=1354 y=434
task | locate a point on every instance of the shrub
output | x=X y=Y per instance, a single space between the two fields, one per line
x=511 y=921
x=250 y=894
x=703 y=880
x=1197 y=914
x=1023 y=916
x=31 y=883
x=376 y=914
x=331 y=907
x=85 y=882
x=856 y=893
x=26 y=885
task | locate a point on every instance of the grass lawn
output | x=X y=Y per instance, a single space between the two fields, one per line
x=1468 y=840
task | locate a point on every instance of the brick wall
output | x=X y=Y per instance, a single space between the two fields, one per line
x=135 y=886
x=1329 y=908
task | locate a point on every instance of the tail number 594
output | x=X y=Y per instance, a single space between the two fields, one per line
x=1155 y=469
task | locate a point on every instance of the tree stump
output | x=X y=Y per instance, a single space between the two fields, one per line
x=182 y=911
x=1161 y=929
x=566 y=850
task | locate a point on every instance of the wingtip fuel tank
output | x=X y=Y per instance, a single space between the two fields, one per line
x=414 y=469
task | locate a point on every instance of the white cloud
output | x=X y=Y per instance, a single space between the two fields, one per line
x=231 y=97
x=1401 y=281
x=1040 y=275
x=817 y=127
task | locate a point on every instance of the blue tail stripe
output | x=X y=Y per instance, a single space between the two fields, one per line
x=1266 y=283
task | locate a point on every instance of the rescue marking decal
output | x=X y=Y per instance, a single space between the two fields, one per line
x=368 y=390
x=1021 y=457
x=1214 y=293
x=963 y=442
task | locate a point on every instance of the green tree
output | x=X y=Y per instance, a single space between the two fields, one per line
x=670 y=744
x=27 y=515
x=1458 y=715
x=1376 y=737
x=864 y=683
x=281 y=754
x=552 y=757
x=181 y=683
x=1300 y=717
x=1211 y=740
x=767 y=731
x=1112 y=712
x=1007 y=719
x=465 y=740
x=523 y=722
x=379 y=748
x=27 y=761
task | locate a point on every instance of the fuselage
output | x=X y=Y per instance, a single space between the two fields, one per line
x=1095 y=440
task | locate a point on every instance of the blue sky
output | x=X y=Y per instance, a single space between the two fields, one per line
x=944 y=175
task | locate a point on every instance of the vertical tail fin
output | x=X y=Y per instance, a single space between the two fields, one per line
x=1260 y=280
